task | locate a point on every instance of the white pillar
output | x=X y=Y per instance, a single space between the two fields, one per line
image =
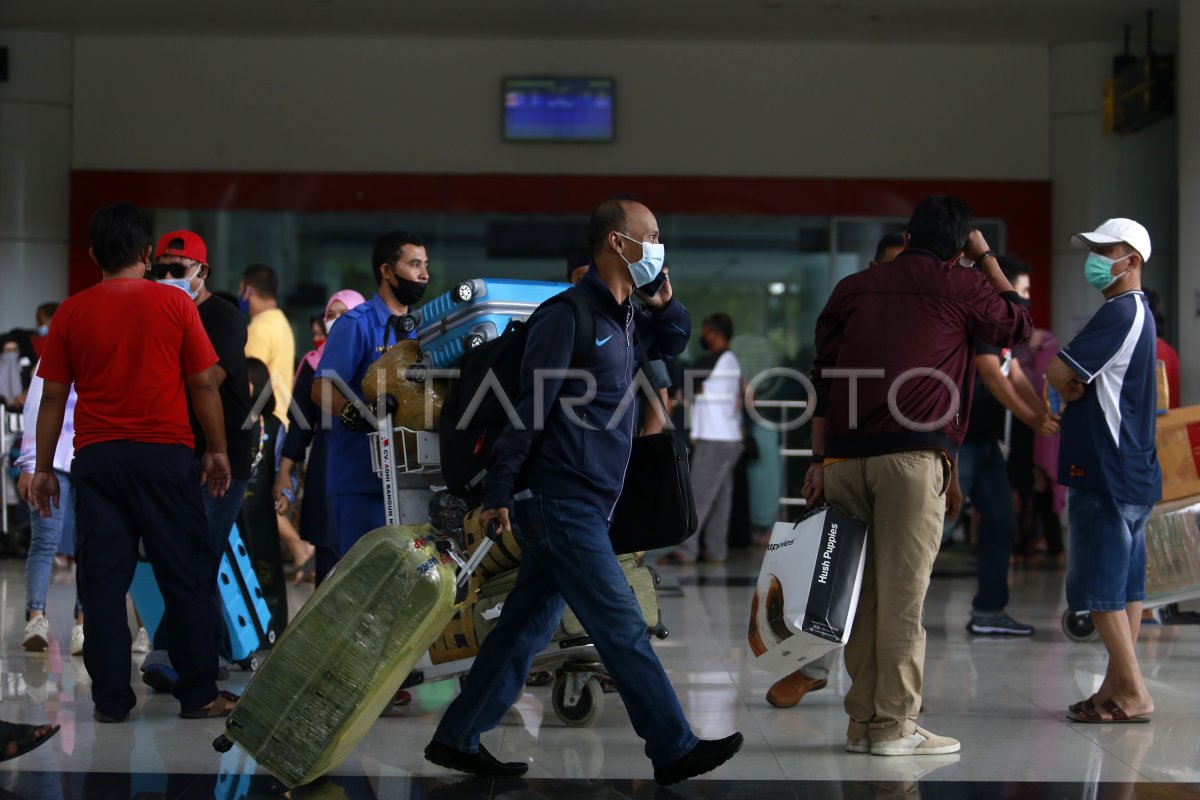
x=1096 y=177
x=1187 y=94
x=35 y=173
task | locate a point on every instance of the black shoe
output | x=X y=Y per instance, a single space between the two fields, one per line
x=707 y=755
x=997 y=624
x=482 y=764
x=107 y=719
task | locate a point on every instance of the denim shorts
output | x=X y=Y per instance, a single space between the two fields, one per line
x=1106 y=561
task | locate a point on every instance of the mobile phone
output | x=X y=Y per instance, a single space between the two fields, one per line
x=651 y=288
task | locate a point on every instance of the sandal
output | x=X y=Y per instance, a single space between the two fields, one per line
x=221 y=706
x=1083 y=705
x=23 y=738
x=1115 y=714
x=541 y=677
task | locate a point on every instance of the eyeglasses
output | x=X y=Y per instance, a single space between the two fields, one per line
x=176 y=270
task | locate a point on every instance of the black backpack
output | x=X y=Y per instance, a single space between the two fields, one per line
x=467 y=449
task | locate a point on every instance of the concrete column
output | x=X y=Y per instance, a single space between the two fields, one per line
x=1187 y=94
x=35 y=172
x=1096 y=177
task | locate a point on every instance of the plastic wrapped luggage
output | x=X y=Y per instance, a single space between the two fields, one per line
x=474 y=312
x=400 y=374
x=340 y=661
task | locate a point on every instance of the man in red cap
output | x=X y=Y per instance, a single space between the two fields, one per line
x=181 y=260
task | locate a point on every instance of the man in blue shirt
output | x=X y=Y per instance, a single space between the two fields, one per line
x=355 y=492
x=1109 y=460
x=562 y=479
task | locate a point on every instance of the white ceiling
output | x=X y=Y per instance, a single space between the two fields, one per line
x=982 y=21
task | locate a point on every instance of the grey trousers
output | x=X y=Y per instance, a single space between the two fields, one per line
x=712 y=483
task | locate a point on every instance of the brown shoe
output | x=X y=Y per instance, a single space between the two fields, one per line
x=789 y=691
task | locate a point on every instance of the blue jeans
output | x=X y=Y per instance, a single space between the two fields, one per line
x=566 y=557
x=1106 y=560
x=45 y=535
x=356 y=515
x=983 y=476
x=220 y=513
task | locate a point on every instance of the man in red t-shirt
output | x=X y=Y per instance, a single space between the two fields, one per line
x=131 y=347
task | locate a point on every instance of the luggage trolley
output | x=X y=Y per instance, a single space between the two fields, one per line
x=408 y=464
x=1172 y=569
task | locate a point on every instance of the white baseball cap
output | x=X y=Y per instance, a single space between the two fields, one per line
x=1116 y=231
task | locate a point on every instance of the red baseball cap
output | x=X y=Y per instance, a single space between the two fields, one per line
x=185 y=244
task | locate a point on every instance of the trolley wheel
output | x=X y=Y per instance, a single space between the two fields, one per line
x=472 y=341
x=1079 y=627
x=585 y=710
x=222 y=744
x=270 y=637
x=661 y=632
x=249 y=664
x=463 y=293
x=407 y=324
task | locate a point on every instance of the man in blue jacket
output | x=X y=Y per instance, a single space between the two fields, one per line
x=564 y=466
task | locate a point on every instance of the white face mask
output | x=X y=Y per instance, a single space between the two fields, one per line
x=646 y=268
x=329 y=325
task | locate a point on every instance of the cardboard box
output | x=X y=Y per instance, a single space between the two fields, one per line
x=807 y=591
x=1179 y=452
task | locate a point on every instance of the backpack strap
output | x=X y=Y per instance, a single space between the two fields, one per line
x=585 y=329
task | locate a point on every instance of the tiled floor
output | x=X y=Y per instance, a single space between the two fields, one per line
x=1003 y=698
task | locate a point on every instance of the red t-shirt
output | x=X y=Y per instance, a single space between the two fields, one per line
x=127 y=344
x=1168 y=356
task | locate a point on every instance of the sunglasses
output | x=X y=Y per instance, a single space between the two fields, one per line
x=160 y=271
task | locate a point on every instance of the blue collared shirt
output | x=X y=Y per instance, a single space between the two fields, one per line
x=353 y=345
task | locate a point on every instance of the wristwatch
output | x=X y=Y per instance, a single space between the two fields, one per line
x=986 y=254
x=818 y=458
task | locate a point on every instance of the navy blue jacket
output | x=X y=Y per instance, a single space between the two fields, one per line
x=581 y=452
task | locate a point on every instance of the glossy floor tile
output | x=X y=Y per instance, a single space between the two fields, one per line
x=1003 y=698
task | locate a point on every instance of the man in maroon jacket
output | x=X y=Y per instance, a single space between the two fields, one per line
x=894 y=372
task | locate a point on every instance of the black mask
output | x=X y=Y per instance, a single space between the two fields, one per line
x=1023 y=302
x=705 y=344
x=407 y=292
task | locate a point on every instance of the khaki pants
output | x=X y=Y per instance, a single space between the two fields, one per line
x=902 y=498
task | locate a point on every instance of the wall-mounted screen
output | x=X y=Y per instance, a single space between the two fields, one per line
x=558 y=110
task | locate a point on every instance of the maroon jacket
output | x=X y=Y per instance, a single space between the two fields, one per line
x=916 y=312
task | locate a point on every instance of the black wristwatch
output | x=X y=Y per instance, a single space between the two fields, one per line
x=986 y=254
x=818 y=458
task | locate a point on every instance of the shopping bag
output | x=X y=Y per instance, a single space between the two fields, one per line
x=807 y=590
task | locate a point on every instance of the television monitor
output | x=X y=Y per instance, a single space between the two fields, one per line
x=558 y=110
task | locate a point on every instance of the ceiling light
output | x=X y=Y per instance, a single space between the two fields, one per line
x=777 y=288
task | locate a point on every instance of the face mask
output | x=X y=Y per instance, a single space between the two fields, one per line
x=1023 y=302
x=43 y=330
x=329 y=326
x=705 y=344
x=179 y=283
x=318 y=341
x=1097 y=269
x=244 y=304
x=407 y=292
x=646 y=268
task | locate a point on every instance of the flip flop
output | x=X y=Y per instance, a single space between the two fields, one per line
x=25 y=737
x=1116 y=715
x=222 y=706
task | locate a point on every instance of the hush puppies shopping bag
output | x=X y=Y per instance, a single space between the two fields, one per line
x=807 y=590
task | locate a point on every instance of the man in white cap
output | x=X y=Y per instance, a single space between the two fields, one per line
x=1108 y=458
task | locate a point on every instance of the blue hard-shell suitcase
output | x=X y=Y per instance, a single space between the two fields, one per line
x=247 y=617
x=474 y=312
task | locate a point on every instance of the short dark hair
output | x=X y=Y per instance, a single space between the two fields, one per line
x=47 y=310
x=940 y=224
x=889 y=241
x=387 y=250
x=608 y=216
x=577 y=257
x=720 y=322
x=260 y=378
x=262 y=279
x=119 y=235
x=1013 y=266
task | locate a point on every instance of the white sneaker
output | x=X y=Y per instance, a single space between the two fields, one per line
x=141 y=642
x=77 y=639
x=860 y=745
x=921 y=743
x=37 y=634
